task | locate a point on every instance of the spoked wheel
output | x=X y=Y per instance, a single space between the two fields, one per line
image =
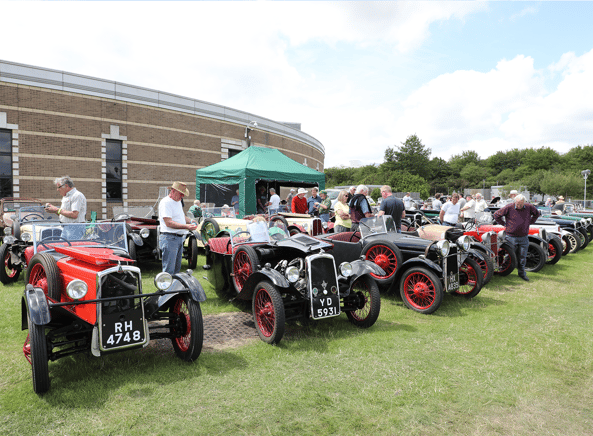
x=245 y=263
x=506 y=259
x=268 y=313
x=209 y=229
x=369 y=302
x=187 y=326
x=536 y=258
x=554 y=251
x=486 y=265
x=471 y=278
x=574 y=242
x=421 y=290
x=192 y=260
x=583 y=236
x=35 y=350
x=8 y=273
x=386 y=255
x=43 y=273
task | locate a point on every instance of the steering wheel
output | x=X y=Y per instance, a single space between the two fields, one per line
x=30 y=215
x=208 y=215
x=53 y=239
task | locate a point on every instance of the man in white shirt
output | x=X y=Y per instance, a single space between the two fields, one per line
x=73 y=208
x=469 y=210
x=450 y=211
x=173 y=227
x=407 y=201
x=274 y=202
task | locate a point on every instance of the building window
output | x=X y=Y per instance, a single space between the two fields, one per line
x=114 y=170
x=5 y=163
x=233 y=152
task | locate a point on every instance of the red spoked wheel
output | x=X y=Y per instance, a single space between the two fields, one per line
x=245 y=263
x=187 y=327
x=555 y=249
x=387 y=256
x=268 y=313
x=506 y=259
x=43 y=273
x=470 y=279
x=421 y=290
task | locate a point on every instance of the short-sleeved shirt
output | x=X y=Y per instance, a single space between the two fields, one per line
x=235 y=203
x=436 y=204
x=275 y=200
x=346 y=209
x=393 y=206
x=451 y=212
x=471 y=212
x=407 y=201
x=311 y=203
x=74 y=200
x=169 y=208
x=299 y=205
x=327 y=204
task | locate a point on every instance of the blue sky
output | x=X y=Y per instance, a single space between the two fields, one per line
x=359 y=76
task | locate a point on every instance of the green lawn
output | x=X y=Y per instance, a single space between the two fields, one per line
x=515 y=360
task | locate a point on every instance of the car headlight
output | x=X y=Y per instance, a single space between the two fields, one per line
x=464 y=242
x=144 y=233
x=26 y=236
x=8 y=231
x=77 y=289
x=9 y=240
x=163 y=280
x=583 y=222
x=292 y=274
x=443 y=247
x=501 y=235
x=346 y=269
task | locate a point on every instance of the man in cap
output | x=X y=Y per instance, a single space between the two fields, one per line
x=173 y=227
x=513 y=194
x=559 y=204
x=299 y=202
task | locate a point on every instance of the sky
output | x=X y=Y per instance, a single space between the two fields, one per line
x=358 y=76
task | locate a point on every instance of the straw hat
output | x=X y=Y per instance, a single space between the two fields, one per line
x=302 y=191
x=181 y=187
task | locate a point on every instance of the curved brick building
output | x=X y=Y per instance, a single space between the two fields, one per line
x=119 y=142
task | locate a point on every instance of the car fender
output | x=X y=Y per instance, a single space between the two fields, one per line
x=137 y=239
x=482 y=249
x=264 y=274
x=363 y=266
x=35 y=303
x=183 y=282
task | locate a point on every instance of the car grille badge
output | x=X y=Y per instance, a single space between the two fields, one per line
x=324 y=284
x=119 y=269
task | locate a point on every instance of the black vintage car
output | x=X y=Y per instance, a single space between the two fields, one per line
x=421 y=270
x=290 y=278
x=84 y=295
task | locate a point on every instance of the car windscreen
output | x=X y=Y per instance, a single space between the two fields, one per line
x=218 y=212
x=46 y=236
x=374 y=225
x=35 y=213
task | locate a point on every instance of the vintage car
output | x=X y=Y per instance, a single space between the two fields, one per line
x=217 y=219
x=421 y=270
x=83 y=294
x=579 y=238
x=290 y=278
x=9 y=207
x=18 y=236
x=300 y=223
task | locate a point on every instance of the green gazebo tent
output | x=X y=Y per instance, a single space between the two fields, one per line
x=218 y=182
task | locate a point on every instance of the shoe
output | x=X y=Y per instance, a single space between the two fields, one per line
x=525 y=278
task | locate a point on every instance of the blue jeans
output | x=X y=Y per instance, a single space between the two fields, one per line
x=521 y=245
x=171 y=246
x=324 y=217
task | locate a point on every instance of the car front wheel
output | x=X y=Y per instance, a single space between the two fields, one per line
x=187 y=327
x=470 y=279
x=268 y=313
x=36 y=353
x=43 y=273
x=421 y=290
x=506 y=259
x=554 y=251
x=536 y=258
x=8 y=273
x=368 y=302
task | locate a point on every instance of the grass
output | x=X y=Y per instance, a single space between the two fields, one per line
x=515 y=360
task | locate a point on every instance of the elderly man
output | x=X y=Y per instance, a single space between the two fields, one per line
x=350 y=194
x=359 y=206
x=517 y=217
x=469 y=209
x=173 y=227
x=299 y=202
x=393 y=206
x=196 y=209
x=449 y=214
x=72 y=209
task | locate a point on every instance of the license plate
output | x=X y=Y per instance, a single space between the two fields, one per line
x=452 y=274
x=325 y=306
x=122 y=329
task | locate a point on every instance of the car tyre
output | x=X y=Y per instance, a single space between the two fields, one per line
x=268 y=313
x=132 y=249
x=192 y=260
x=245 y=263
x=471 y=279
x=209 y=229
x=486 y=265
x=39 y=357
x=189 y=322
x=554 y=251
x=536 y=258
x=583 y=236
x=421 y=290
x=369 y=298
x=43 y=273
x=386 y=255
x=7 y=274
x=574 y=242
x=507 y=260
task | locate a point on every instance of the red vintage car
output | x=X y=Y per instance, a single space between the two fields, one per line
x=83 y=294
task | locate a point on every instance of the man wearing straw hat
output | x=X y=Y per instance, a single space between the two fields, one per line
x=173 y=227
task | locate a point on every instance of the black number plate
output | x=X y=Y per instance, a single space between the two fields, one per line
x=325 y=306
x=452 y=274
x=122 y=329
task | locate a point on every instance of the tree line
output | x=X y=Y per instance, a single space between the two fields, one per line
x=409 y=167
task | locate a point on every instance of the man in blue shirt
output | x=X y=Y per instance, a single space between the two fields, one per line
x=313 y=202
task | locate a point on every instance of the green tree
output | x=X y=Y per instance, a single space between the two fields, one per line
x=458 y=162
x=541 y=159
x=412 y=156
x=475 y=175
x=565 y=184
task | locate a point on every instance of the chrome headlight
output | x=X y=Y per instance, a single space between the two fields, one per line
x=583 y=222
x=26 y=236
x=77 y=289
x=8 y=231
x=464 y=242
x=501 y=235
x=292 y=274
x=486 y=237
x=144 y=233
x=443 y=247
x=163 y=280
x=346 y=269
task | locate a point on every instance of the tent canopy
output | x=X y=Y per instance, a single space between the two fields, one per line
x=248 y=168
